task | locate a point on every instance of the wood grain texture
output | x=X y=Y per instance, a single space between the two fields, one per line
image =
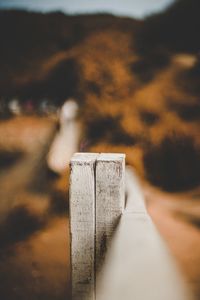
x=82 y=225
x=110 y=175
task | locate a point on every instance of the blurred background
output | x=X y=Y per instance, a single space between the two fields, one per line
x=95 y=76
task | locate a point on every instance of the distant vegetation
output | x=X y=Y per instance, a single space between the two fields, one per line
x=173 y=164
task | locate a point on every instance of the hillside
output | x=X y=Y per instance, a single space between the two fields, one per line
x=137 y=82
x=40 y=48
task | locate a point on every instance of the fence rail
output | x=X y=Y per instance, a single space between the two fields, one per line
x=116 y=251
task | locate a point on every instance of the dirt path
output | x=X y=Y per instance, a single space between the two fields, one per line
x=34 y=261
x=177 y=218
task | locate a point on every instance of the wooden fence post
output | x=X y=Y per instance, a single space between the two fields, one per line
x=110 y=193
x=82 y=225
x=96 y=204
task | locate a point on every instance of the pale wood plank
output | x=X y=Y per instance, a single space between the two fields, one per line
x=82 y=225
x=110 y=169
x=138 y=264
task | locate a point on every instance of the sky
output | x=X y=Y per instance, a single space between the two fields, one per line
x=131 y=8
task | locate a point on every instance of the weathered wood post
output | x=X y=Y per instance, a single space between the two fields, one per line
x=110 y=199
x=82 y=225
x=96 y=204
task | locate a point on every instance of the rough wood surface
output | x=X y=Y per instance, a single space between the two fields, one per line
x=82 y=225
x=110 y=176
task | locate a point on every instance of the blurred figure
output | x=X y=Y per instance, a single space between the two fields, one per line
x=47 y=107
x=29 y=107
x=14 y=107
x=66 y=140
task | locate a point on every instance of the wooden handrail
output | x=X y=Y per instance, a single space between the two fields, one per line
x=116 y=251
